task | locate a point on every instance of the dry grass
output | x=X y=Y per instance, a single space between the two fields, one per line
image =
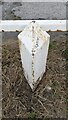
x=18 y=99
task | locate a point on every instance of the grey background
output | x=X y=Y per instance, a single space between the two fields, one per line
x=34 y=10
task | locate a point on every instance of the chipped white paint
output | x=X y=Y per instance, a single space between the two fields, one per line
x=13 y=25
x=33 y=43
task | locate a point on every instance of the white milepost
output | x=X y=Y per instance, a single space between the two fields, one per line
x=33 y=43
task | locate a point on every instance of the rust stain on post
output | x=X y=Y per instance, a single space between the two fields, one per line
x=59 y=30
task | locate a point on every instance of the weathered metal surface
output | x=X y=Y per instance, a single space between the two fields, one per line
x=19 y=25
x=33 y=43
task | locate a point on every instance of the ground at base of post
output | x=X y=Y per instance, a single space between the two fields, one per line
x=49 y=98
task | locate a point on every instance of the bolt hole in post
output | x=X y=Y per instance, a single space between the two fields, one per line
x=37 y=42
